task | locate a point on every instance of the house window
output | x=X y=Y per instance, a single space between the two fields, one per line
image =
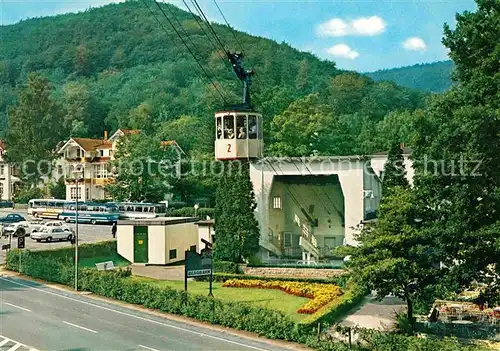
x=2 y=169
x=87 y=193
x=172 y=254
x=277 y=202
x=78 y=153
x=74 y=191
x=1 y=190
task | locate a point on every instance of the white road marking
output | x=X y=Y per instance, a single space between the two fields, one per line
x=21 y=308
x=15 y=347
x=148 y=348
x=134 y=316
x=79 y=326
x=16 y=344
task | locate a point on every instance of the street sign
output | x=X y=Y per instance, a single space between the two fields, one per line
x=6 y=247
x=21 y=241
x=198 y=265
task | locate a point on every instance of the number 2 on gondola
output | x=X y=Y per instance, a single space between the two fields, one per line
x=228 y=147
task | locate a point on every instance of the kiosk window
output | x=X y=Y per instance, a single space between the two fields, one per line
x=172 y=254
x=259 y=127
x=228 y=127
x=241 y=126
x=252 y=127
x=219 y=127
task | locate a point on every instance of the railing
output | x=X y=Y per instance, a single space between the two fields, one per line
x=275 y=240
x=306 y=234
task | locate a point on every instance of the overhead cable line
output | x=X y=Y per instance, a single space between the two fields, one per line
x=187 y=35
x=200 y=11
x=238 y=42
x=198 y=21
x=185 y=44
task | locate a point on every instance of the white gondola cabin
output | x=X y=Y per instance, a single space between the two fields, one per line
x=238 y=135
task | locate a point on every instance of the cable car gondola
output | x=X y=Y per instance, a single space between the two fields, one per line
x=238 y=129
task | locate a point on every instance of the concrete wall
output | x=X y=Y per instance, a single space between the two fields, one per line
x=5 y=181
x=156 y=241
x=125 y=241
x=179 y=237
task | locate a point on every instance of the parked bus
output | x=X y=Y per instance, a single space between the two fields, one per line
x=141 y=209
x=45 y=208
x=90 y=212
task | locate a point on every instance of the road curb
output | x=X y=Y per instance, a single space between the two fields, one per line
x=169 y=317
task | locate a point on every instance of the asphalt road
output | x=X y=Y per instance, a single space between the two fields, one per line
x=37 y=317
x=87 y=233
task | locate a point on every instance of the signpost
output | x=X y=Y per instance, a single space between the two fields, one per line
x=21 y=241
x=199 y=265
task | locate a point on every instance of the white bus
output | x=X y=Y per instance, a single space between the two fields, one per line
x=45 y=208
x=141 y=209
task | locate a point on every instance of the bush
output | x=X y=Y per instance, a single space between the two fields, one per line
x=340 y=281
x=227 y=267
x=294 y=265
x=189 y=212
x=56 y=265
x=353 y=295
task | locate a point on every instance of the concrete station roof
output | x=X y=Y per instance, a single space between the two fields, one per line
x=158 y=221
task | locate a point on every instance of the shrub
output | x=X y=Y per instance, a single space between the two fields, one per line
x=340 y=280
x=353 y=295
x=227 y=267
x=320 y=294
x=189 y=212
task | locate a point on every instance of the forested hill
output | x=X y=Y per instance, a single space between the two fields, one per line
x=432 y=77
x=115 y=67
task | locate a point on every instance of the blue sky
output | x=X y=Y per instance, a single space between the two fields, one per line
x=362 y=35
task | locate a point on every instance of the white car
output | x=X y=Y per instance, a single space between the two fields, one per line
x=51 y=233
x=53 y=224
x=14 y=228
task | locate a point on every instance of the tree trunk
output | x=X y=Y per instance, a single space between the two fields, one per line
x=409 y=312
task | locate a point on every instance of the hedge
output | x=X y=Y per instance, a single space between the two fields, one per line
x=227 y=267
x=293 y=265
x=222 y=277
x=56 y=266
x=189 y=212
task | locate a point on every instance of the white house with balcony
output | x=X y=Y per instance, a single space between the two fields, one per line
x=308 y=206
x=92 y=157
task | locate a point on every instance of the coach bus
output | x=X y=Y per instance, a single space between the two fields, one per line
x=141 y=209
x=45 y=208
x=90 y=212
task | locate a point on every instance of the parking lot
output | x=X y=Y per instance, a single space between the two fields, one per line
x=87 y=233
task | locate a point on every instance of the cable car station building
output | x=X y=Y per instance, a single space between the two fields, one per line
x=305 y=206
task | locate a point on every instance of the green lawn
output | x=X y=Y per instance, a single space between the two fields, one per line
x=272 y=299
x=91 y=261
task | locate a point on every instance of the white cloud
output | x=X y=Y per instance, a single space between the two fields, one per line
x=414 y=44
x=363 y=26
x=343 y=50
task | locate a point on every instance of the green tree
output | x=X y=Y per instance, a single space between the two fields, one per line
x=58 y=189
x=236 y=226
x=456 y=154
x=305 y=126
x=143 y=168
x=394 y=170
x=33 y=128
x=394 y=256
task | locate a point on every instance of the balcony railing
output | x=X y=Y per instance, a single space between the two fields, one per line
x=306 y=234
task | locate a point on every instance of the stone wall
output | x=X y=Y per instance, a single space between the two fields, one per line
x=292 y=272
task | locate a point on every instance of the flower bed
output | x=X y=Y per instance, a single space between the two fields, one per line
x=320 y=294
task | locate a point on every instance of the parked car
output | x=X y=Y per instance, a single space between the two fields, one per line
x=53 y=224
x=12 y=218
x=52 y=233
x=15 y=228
